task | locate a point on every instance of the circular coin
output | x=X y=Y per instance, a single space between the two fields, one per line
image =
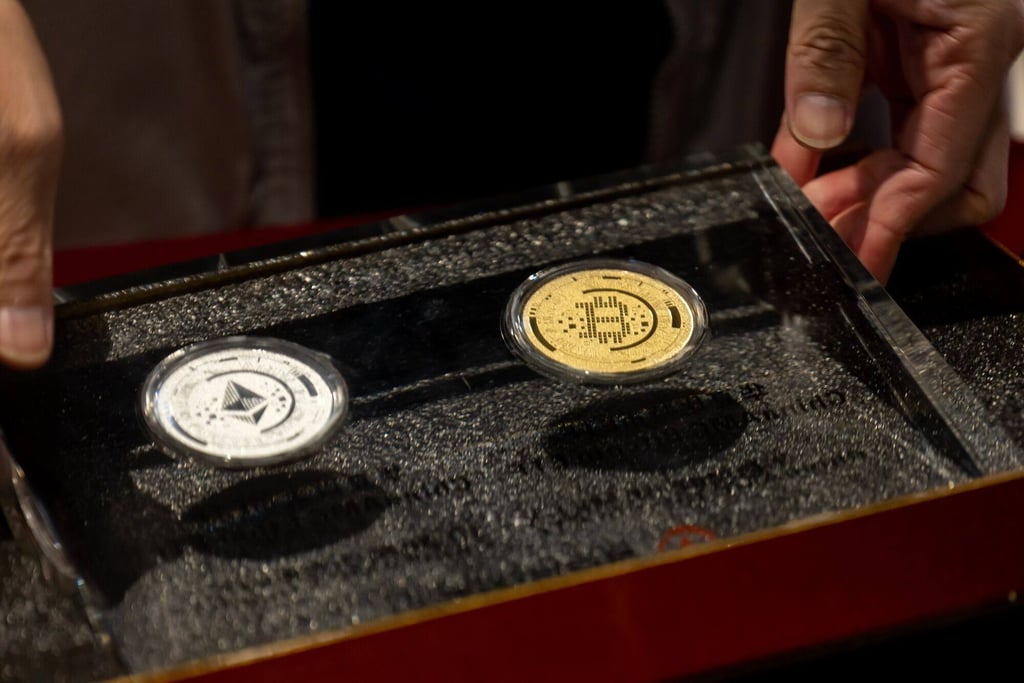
x=244 y=401
x=605 y=321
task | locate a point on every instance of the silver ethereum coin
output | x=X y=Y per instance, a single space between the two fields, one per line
x=244 y=401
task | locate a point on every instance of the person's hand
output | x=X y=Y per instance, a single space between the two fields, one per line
x=942 y=66
x=30 y=151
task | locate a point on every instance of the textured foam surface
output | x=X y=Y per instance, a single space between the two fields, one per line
x=43 y=634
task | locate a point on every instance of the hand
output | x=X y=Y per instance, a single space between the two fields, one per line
x=30 y=151
x=942 y=65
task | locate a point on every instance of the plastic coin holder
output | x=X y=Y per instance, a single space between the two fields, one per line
x=244 y=401
x=604 y=321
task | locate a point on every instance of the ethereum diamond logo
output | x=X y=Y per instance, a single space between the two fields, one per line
x=243 y=404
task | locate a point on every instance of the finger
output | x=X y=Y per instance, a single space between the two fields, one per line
x=918 y=198
x=825 y=65
x=30 y=143
x=798 y=161
x=870 y=220
x=862 y=205
x=26 y=309
x=962 y=54
x=1000 y=23
x=835 y=192
x=875 y=245
x=984 y=194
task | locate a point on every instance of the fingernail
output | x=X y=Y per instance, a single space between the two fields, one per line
x=819 y=121
x=26 y=333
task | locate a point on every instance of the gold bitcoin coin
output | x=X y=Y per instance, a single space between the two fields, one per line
x=606 y=321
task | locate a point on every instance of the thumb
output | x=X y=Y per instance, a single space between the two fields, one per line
x=30 y=151
x=825 y=65
x=26 y=308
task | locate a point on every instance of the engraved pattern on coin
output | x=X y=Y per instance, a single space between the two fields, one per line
x=244 y=404
x=608 y=320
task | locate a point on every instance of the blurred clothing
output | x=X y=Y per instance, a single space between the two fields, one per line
x=182 y=117
x=189 y=117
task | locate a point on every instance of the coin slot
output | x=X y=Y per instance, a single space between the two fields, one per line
x=308 y=384
x=540 y=337
x=677 y=320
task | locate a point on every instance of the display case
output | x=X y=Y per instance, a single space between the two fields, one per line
x=477 y=515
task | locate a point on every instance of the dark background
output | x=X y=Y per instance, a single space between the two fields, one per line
x=426 y=104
